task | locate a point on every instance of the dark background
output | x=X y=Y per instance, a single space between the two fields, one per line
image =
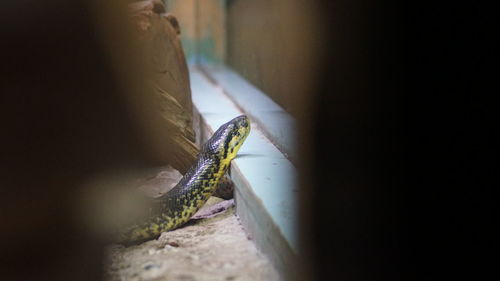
x=406 y=143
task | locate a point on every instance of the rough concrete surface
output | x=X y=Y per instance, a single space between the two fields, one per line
x=208 y=248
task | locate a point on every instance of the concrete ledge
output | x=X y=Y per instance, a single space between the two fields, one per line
x=265 y=180
x=274 y=121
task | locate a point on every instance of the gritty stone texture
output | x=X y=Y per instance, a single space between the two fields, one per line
x=160 y=181
x=213 y=248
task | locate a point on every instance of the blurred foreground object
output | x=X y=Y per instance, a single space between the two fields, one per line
x=75 y=104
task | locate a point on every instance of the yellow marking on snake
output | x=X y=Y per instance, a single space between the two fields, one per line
x=178 y=205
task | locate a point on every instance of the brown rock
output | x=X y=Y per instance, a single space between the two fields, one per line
x=168 y=73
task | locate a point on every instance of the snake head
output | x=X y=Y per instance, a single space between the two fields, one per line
x=227 y=140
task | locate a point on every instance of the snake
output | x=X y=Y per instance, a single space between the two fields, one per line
x=176 y=207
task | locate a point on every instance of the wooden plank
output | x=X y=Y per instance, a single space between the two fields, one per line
x=184 y=11
x=203 y=29
x=273 y=44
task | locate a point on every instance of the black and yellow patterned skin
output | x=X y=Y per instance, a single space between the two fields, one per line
x=177 y=206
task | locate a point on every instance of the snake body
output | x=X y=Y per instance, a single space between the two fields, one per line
x=177 y=206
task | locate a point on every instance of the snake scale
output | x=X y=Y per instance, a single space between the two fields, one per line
x=176 y=207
